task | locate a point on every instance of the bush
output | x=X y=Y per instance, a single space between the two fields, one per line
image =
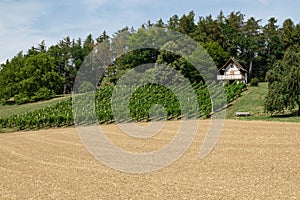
x=86 y=87
x=2 y=101
x=254 y=82
x=21 y=98
x=43 y=94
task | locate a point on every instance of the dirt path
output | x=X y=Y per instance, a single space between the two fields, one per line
x=251 y=160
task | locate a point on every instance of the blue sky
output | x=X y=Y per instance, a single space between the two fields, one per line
x=24 y=23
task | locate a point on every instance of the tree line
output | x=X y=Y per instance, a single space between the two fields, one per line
x=42 y=72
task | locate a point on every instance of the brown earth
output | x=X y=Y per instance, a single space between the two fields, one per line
x=252 y=160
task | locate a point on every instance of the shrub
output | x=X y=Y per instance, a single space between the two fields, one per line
x=21 y=98
x=43 y=94
x=2 y=101
x=254 y=82
x=86 y=87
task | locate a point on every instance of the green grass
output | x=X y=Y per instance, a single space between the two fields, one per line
x=8 y=130
x=252 y=101
x=8 y=110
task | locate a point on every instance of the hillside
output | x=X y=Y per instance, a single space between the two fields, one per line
x=58 y=112
x=252 y=101
x=9 y=110
x=61 y=114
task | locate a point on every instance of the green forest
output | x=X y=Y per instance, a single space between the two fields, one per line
x=269 y=52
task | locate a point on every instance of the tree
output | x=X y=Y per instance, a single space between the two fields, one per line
x=173 y=22
x=213 y=30
x=42 y=47
x=288 y=33
x=273 y=48
x=69 y=55
x=217 y=53
x=29 y=77
x=252 y=42
x=181 y=63
x=88 y=44
x=10 y=75
x=39 y=71
x=102 y=37
x=284 y=83
x=223 y=36
x=234 y=34
x=160 y=24
x=187 y=23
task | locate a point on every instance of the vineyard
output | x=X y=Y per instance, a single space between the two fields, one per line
x=140 y=105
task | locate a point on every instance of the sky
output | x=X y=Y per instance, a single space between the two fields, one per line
x=25 y=23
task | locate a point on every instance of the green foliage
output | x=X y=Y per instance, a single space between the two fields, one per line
x=257 y=47
x=182 y=65
x=187 y=23
x=149 y=95
x=8 y=110
x=21 y=98
x=142 y=103
x=234 y=90
x=86 y=87
x=53 y=116
x=2 y=101
x=252 y=101
x=284 y=85
x=103 y=104
x=43 y=94
x=35 y=78
x=254 y=82
x=42 y=72
x=217 y=53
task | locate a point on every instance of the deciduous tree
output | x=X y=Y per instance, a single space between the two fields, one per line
x=284 y=83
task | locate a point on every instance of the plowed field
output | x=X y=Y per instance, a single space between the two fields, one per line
x=251 y=160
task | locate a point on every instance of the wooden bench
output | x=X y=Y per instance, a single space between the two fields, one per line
x=242 y=114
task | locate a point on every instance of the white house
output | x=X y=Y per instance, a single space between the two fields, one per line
x=232 y=71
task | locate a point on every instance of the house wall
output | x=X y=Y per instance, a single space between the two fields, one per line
x=232 y=73
x=232 y=70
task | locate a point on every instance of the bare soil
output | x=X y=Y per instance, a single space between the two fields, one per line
x=252 y=160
